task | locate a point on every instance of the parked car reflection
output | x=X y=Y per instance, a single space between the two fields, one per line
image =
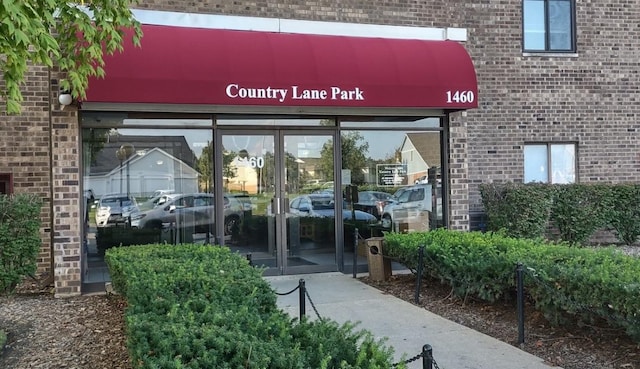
x=114 y=209
x=373 y=202
x=323 y=205
x=414 y=206
x=195 y=211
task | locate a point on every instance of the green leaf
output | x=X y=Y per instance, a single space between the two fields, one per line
x=58 y=33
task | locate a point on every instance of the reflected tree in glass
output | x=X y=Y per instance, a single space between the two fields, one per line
x=354 y=156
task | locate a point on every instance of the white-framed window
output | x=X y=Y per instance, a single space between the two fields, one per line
x=550 y=162
x=548 y=25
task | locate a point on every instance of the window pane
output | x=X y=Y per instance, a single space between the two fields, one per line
x=405 y=164
x=535 y=164
x=533 y=15
x=563 y=163
x=560 y=25
x=135 y=175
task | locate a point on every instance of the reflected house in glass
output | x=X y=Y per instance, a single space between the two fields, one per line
x=151 y=167
x=419 y=152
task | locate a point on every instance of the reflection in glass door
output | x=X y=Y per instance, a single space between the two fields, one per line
x=279 y=184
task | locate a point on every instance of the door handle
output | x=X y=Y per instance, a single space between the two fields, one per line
x=275 y=206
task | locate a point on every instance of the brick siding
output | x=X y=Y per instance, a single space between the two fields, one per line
x=590 y=98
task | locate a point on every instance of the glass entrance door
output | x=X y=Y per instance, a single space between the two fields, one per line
x=280 y=185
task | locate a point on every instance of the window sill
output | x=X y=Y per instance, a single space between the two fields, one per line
x=550 y=55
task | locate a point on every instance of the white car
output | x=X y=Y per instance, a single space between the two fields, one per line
x=114 y=209
x=413 y=208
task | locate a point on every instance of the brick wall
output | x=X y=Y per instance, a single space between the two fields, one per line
x=67 y=215
x=26 y=152
x=40 y=147
x=590 y=98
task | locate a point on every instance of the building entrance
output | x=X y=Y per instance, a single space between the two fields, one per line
x=278 y=185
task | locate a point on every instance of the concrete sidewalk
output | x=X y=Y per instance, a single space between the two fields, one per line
x=408 y=328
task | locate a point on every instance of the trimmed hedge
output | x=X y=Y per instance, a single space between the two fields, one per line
x=20 y=240
x=567 y=283
x=195 y=306
x=522 y=211
x=575 y=211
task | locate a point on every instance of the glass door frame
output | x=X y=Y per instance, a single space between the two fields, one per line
x=281 y=227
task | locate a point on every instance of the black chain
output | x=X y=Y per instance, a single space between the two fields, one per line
x=412 y=359
x=288 y=293
x=435 y=365
x=306 y=292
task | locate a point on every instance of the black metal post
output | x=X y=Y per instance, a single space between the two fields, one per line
x=355 y=252
x=520 y=293
x=302 y=298
x=420 y=271
x=250 y=259
x=427 y=357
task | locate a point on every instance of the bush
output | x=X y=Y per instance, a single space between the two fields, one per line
x=19 y=239
x=195 y=306
x=567 y=283
x=521 y=211
x=574 y=212
x=624 y=215
x=580 y=210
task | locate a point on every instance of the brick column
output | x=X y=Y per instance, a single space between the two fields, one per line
x=67 y=217
x=458 y=172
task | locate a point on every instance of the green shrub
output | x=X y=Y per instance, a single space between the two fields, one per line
x=624 y=214
x=568 y=284
x=519 y=210
x=196 y=306
x=580 y=210
x=19 y=239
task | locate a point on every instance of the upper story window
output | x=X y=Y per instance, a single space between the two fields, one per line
x=550 y=162
x=549 y=25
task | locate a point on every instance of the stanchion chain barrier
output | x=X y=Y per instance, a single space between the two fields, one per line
x=412 y=359
x=435 y=365
x=306 y=292
x=288 y=293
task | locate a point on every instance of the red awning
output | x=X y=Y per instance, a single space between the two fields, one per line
x=178 y=65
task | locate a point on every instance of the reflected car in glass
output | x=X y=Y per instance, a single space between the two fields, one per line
x=196 y=210
x=323 y=205
x=413 y=207
x=373 y=202
x=114 y=209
